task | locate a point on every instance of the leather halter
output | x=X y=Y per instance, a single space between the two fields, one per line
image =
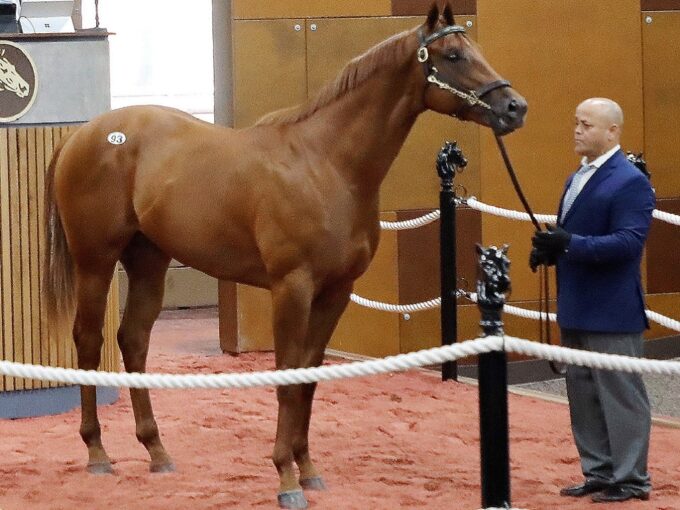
x=472 y=97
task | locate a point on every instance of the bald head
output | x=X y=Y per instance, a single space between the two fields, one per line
x=609 y=110
x=598 y=123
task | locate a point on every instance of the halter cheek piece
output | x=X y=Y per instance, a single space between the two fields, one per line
x=472 y=97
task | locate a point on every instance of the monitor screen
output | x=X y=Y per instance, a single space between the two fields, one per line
x=38 y=16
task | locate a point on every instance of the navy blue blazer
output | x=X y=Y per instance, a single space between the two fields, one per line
x=598 y=278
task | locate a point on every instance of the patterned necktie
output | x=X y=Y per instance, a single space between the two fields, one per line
x=573 y=190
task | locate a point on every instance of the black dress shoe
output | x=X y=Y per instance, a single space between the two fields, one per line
x=617 y=493
x=584 y=489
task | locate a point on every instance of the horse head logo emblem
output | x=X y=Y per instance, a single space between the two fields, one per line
x=10 y=79
x=18 y=81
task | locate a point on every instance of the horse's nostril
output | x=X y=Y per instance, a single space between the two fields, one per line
x=513 y=106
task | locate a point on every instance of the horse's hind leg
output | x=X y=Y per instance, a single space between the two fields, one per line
x=146 y=266
x=92 y=287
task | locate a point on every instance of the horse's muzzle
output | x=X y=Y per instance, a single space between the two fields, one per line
x=509 y=114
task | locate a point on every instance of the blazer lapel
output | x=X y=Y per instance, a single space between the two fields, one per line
x=600 y=175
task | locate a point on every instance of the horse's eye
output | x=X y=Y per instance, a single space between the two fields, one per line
x=453 y=57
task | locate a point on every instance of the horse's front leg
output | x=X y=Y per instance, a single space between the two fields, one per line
x=325 y=312
x=291 y=302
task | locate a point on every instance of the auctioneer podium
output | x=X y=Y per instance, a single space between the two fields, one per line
x=49 y=84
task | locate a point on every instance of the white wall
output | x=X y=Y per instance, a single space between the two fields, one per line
x=161 y=53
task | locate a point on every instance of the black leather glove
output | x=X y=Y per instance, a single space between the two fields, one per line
x=554 y=241
x=540 y=258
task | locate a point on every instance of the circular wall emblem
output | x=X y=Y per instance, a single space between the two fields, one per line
x=18 y=81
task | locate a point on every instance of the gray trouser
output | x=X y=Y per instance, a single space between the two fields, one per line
x=610 y=412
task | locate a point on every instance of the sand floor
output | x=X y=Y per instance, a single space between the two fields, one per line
x=383 y=442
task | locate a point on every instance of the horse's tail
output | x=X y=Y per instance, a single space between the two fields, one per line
x=58 y=283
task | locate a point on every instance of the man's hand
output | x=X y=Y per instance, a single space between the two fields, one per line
x=540 y=258
x=554 y=241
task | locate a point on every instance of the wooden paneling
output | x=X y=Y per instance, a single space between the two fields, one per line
x=663 y=246
x=412 y=182
x=419 y=274
x=665 y=304
x=422 y=7
x=264 y=9
x=24 y=336
x=228 y=317
x=185 y=287
x=269 y=67
x=661 y=65
x=660 y=5
x=367 y=331
x=554 y=69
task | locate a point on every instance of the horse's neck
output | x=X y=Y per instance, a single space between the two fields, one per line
x=362 y=132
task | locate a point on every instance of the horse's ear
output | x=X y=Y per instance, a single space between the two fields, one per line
x=432 y=16
x=448 y=14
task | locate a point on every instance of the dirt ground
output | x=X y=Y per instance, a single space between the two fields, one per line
x=383 y=442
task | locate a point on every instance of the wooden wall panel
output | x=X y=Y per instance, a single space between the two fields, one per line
x=663 y=246
x=366 y=331
x=419 y=274
x=665 y=304
x=660 y=5
x=265 y=9
x=554 y=70
x=422 y=7
x=24 y=335
x=269 y=67
x=5 y=259
x=661 y=65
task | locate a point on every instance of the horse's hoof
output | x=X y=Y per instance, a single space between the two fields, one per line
x=166 y=467
x=314 y=483
x=100 y=468
x=294 y=499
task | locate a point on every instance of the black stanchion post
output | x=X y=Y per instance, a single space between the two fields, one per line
x=450 y=158
x=493 y=380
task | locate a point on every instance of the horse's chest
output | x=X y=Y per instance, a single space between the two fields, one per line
x=357 y=255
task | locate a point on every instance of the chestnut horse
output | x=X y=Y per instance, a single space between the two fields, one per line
x=289 y=204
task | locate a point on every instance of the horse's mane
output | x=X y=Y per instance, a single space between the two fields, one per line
x=357 y=71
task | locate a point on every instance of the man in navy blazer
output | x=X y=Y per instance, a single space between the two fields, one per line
x=603 y=220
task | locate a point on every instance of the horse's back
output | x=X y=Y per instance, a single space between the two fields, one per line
x=186 y=184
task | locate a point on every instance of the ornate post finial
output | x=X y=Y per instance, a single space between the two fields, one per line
x=449 y=160
x=493 y=283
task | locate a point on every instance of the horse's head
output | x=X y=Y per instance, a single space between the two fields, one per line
x=11 y=80
x=460 y=81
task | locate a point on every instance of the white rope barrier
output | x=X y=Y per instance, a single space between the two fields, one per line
x=667 y=322
x=663 y=320
x=409 y=224
x=473 y=203
x=397 y=363
x=673 y=219
x=386 y=307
